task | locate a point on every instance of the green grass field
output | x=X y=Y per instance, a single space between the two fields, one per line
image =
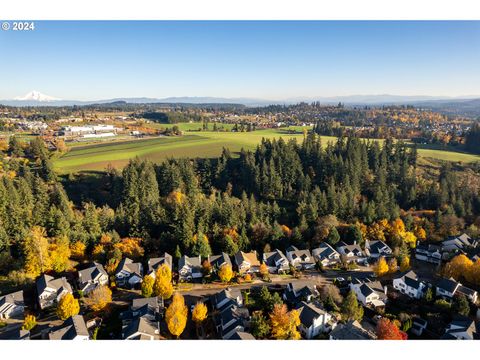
x=194 y=144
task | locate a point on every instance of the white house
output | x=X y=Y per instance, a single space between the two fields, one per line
x=370 y=292
x=154 y=263
x=377 y=248
x=12 y=305
x=326 y=254
x=300 y=259
x=409 y=285
x=276 y=262
x=50 y=290
x=226 y=296
x=314 y=320
x=190 y=268
x=351 y=252
x=141 y=328
x=129 y=273
x=428 y=252
x=247 y=262
x=90 y=278
x=231 y=320
x=74 y=328
x=457 y=243
x=300 y=290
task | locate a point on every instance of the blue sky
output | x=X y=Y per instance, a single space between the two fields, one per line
x=86 y=60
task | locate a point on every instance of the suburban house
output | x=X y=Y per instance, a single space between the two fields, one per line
x=141 y=328
x=231 y=320
x=458 y=243
x=369 y=292
x=377 y=248
x=90 y=278
x=314 y=320
x=12 y=305
x=226 y=296
x=276 y=262
x=428 y=252
x=50 y=290
x=247 y=262
x=129 y=273
x=408 y=284
x=141 y=321
x=74 y=328
x=462 y=328
x=326 y=254
x=190 y=268
x=351 y=252
x=216 y=261
x=154 y=263
x=352 y=330
x=300 y=290
x=241 y=335
x=448 y=288
x=300 y=259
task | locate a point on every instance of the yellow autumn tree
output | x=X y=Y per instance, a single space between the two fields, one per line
x=99 y=298
x=36 y=250
x=199 y=313
x=60 y=254
x=459 y=266
x=410 y=239
x=381 y=267
x=225 y=273
x=176 y=315
x=130 y=247
x=67 y=307
x=77 y=250
x=284 y=323
x=29 y=322
x=147 y=286
x=392 y=266
x=163 y=286
x=405 y=263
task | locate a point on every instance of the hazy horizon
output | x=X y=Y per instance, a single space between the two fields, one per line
x=271 y=60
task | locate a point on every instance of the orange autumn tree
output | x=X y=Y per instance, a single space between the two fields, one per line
x=263 y=269
x=176 y=315
x=387 y=330
x=284 y=323
x=99 y=298
x=460 y=266
x=130 y=247
x=77 y=250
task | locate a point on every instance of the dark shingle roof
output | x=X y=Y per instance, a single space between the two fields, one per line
x=71 y=328
x=309 y=312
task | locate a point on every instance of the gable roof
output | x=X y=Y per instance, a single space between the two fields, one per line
x=241 y=335
x=91 y=273
x=140 y=325
x=193 y=262
x=219 y=260
x=59 y=284
x=129 y=266
x=377 y=247
x=15 y=298
x=352 y=330
x=71 y=328
x=154 y=263
x=324 y=251
x=250 y=257
x=271 y=258
x=309 y=313
x=448 y=284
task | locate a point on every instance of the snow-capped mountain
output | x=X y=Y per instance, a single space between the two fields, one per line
x=36 y=96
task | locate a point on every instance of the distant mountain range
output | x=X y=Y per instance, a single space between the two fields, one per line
x=468 y=105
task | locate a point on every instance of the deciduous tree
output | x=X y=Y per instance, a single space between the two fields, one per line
x=29 y=323
x=387 y=330
x=381 y=267
x=284 y=323
x=99 y=298
x=36 y=250
x=67 y=307
x=225 y=273
x=176 y=315
x=147 y=286
x=199 y=313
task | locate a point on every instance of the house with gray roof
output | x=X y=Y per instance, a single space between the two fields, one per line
x=190 y=268
x=276 y=262
x=154 y=263
x=377 y=248
x=351 y=253
x=462 y=328
x=300 y=291
x=369 y=293
x=241 y=335
x=326 y=254
x=300 y=259
x=129 y=273
x=74 y=328
x=141 y=328
x=92 y=277
x=409 y=284
x=314 y=320
x=51 y=290
x=247 y=262
x=216 y=261
x=428 y=252
x=352 y=330
x=448 y=288
x=12 y=305
x=230 y=320
x=222 y=298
